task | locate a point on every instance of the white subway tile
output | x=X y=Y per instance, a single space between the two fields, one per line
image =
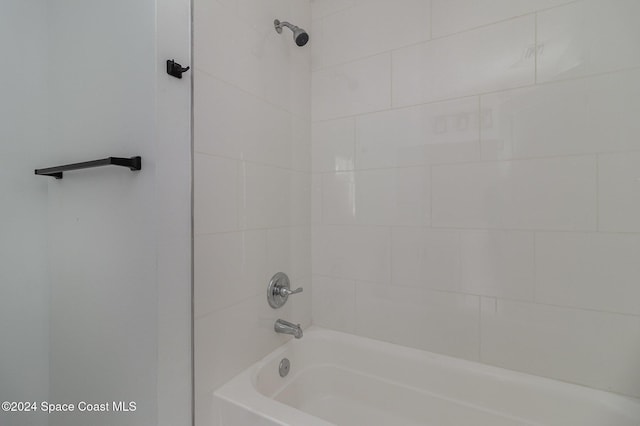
x=221 y=124
x=442 y=132
x=592 y=348
x=256 y=61
x=317 y=29
x=298 y=73
x=435 y=321
x=300 y=154
x=487 y=59
x=300 y=198
x=428 y=258
x=568 y=118
x=322 y=8
x=212 y=134
x=316 y=198
x=300 y=310
x=260 y=14
x=452 y=16
x=594 y=271
x=357 y=32
x=548 y=194
x=588 y=37
x=352 y=252
x=377 y=197
x=497 y=263
x=289 y=251
x=267 y=196
x=228 y=268
x=334 y=303
x=619 y=192
x=339 y=198
x=353 y=88
x=252 y=338
x=216 y=194
x=333 y=145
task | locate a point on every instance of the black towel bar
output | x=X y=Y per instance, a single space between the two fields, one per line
x=133 y=163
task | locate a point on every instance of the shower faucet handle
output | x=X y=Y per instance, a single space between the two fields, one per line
x=279 y=290
x=287 y=292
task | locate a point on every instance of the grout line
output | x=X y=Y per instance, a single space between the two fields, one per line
x=430 y=195
x=535 y=266
x=495 y=299
x=237 y=231
x=453 y=228
x=479 y=162
x=321 y=210
x=354 y=139
x=253 y=162
x=480 y=328
x=335 y=12
x=535 y=48
x=480 y=150
x=253 y=95
x=391 y=280
x=598 y=192
x=457 y=33
x=437 y=164
x=431 y=20
x=491 y=92
x=391 y=79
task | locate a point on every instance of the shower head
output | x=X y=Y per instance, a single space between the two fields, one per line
x=300 y=36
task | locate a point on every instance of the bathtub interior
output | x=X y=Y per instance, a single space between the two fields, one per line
x=340 y=379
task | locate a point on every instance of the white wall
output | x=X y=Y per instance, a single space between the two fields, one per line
x=96 y=267
x=24 y=285
x=251 y=183
x=476 y=181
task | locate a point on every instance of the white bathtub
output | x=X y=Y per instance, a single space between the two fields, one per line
x=341 y=379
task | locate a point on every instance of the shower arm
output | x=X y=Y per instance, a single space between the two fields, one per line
x=279 y=26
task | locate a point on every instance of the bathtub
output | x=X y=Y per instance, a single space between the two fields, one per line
x=341 y=379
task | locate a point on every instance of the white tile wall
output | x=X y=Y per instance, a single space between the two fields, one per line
x=353 y=252
x=353 y=88
x=322 y=8
x=257 y=60
x=226 y=132
x=498 y=57
x=267 y=196
x=597 y=349
x=589 y=270
x=521 y=185
x=216 y=203
x=441 y=132
x=438 y=321
x=252 y=183
x=451 y=16
x=377 y=197
x=333 y=145
x=556 y=193
x=357 y=32
x=289 y=249
x=619 y=192
x=229 y=267
x=334 y=303
x=428 y=258
x=569 y=46
x=573 y=117
x=497 y=263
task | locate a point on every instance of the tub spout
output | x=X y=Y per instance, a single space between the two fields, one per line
x=285 y=327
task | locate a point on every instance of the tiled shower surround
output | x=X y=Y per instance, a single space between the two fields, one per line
x=252 y=177
x=476 y=181
x=460 y=176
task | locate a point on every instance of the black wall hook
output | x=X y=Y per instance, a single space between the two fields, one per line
x=175 y=69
